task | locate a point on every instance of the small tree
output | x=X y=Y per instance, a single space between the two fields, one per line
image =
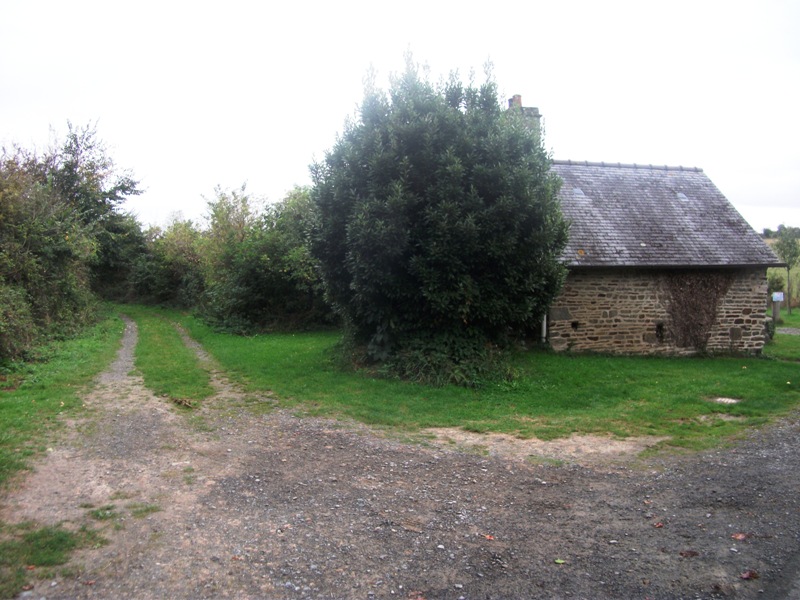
x=788 y=249
x=439 y=226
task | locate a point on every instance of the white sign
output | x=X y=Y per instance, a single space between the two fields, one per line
x=777 y=296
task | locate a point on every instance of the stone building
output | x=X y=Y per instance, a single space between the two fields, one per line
x=659 y=263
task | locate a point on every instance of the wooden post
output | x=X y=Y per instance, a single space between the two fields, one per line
x=777 y=298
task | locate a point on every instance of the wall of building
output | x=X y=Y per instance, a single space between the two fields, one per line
x=625 y=311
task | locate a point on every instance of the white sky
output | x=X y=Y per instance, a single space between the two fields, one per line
x=190 y=95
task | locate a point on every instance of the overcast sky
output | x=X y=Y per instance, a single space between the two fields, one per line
x=191 y=95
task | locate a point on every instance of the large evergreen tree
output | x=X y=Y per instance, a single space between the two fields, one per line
x=439 y=227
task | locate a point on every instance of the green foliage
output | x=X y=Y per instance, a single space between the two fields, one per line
x=249 y=270
x=258 y=269
x=443 y=358
x=438 y=217
x=43 y=259
x=787 y=247
x=18 y=330
x=120 y=245
x=170 y=270
x=775 y=282
x=60 y=233
x=769 y=328
x=86 y=177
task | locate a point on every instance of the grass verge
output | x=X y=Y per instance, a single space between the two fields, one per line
x=168 y=367
x=40 y=393
x=555 y=395
x=35 y=396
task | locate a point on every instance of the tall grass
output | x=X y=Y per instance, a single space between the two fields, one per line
x=555 y=395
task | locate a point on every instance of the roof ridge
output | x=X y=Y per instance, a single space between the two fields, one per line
x=586 y=163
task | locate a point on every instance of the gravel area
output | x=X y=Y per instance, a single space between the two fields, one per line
x=221 y=502
x=788 y=330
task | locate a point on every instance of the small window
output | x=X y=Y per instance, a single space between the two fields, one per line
x=660 y=332
x=575 y=325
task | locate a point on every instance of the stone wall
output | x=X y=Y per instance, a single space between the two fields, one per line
x=625 y=311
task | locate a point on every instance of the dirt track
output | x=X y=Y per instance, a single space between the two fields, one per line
x=275 y=506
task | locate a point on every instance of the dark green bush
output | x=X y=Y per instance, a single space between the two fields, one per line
x=465 y=359
x=18 y=331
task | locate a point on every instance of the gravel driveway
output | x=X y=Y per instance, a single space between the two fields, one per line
x=223 y=502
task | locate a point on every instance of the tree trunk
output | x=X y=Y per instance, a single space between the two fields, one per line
x=789 y=290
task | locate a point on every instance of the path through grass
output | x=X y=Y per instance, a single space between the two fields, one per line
x=39 y=393
x=32 y=402
x=168 y=367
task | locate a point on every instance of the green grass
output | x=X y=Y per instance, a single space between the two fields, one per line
x=104 y=513
x=555 y=395
x=33 y=399
x=139 y=510
x=27 y=551
x=788 y=320
x=168 y=367
x=48 y=389
x=784 y=346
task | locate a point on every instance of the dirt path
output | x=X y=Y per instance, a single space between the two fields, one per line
x=275 y=506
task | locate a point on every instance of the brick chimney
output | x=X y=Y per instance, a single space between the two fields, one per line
x=531 y=113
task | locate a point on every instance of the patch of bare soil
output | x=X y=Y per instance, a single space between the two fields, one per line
x=582 y=449
x=275 y=506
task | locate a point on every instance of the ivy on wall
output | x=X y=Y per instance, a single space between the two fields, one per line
x=693 y=299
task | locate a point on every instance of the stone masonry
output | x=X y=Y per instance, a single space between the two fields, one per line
x=624 y=311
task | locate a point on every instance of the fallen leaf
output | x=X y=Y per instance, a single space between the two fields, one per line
x=688 y=553
x=749 y=574
x=658 y=525
x=739 y=536
x=30 y=567
x=27 y=587
x=90 y=582
x=489 y=537
x=559 y=561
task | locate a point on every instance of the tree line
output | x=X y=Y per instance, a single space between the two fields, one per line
x=431 y=235
x=66 y=244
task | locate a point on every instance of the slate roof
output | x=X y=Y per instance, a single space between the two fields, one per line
x=637 y=216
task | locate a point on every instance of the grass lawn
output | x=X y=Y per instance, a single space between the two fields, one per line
x=555 y=395
x=788 y=320
x=783 y=346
